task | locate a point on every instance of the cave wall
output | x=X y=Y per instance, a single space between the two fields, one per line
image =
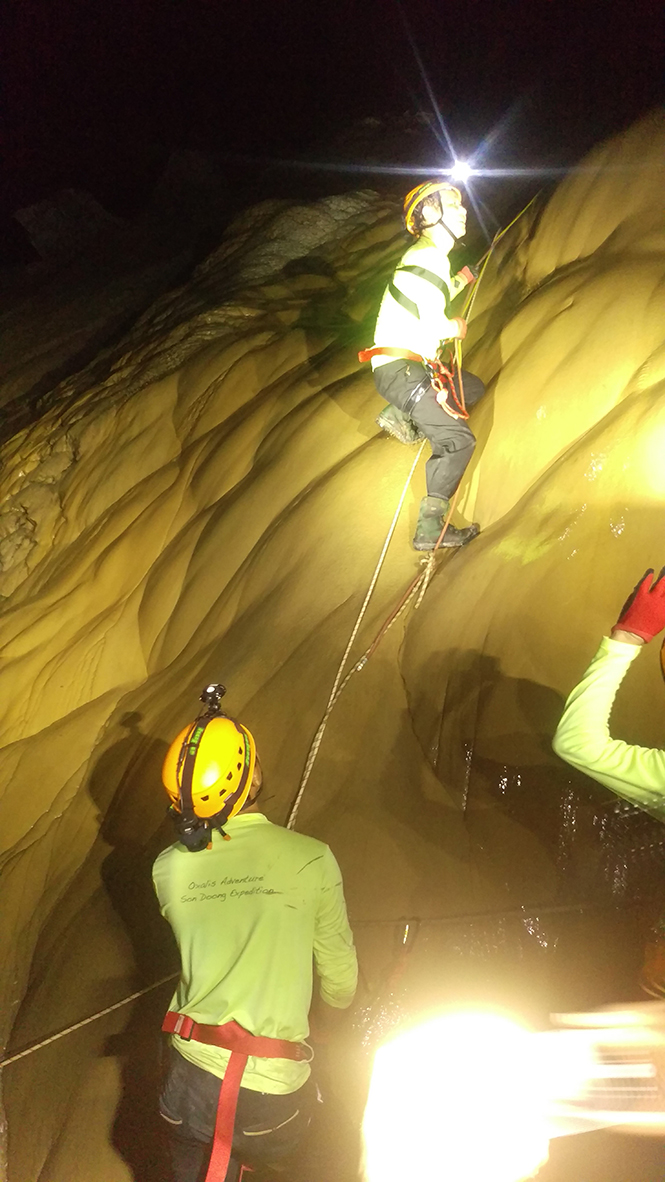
x=211 y=507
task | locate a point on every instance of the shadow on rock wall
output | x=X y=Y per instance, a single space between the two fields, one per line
x=115 y=784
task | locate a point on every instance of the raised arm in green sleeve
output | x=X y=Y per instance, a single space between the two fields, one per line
x=334 y=951
x=583 y=737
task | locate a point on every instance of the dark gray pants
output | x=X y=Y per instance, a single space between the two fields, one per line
x=267 y=1126
x=452 y=440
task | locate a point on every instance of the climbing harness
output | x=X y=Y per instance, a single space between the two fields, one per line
x=338 y=684
x=233 y=1037
x=439 y=372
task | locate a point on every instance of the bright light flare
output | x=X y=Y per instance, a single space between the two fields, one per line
x=566 y=1063
x=625 y=1049
x=461 y=171
x=460 y=1099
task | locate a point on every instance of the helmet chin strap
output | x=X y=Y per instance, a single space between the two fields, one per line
x=446 y=227
x=455 y=237
x=440 y=222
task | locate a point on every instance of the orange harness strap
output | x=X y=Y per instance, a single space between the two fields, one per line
x=440 y=376
x=234 y=1038
x=389 y=351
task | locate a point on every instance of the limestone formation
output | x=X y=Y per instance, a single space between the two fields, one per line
x=210 y=503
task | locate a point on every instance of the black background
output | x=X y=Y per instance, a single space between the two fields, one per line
x=96 y=94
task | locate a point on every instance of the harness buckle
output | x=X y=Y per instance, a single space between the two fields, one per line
x=184 y=1026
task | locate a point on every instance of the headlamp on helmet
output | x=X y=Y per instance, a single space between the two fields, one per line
x=208 y=771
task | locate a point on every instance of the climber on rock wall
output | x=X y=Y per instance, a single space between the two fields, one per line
x=252 y=906
x=412 y=324
x=583 y=738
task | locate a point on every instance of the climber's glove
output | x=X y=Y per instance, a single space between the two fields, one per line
x=469 y=273
x=643 y=613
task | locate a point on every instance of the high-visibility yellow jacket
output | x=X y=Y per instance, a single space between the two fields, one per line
x=583 y=738
x=414 y=310
x=249 y=915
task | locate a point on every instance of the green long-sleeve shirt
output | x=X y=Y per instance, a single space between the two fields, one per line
x=249 y=916
x=583 y=737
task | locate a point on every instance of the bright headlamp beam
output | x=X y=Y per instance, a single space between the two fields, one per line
x=408 y=170
x=461 y=171
x=428 y=87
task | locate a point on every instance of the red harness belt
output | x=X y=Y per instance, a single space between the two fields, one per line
x=234 y=1038
x=389 y=351
x=440 y=375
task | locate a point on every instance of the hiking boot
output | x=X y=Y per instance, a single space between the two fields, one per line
x=431 y=516
x=398 y=425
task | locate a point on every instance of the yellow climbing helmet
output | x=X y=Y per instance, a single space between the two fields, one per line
x=209 y=766
x=447 y=194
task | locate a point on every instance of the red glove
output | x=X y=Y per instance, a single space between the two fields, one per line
x=644 y=611
x=467 y=273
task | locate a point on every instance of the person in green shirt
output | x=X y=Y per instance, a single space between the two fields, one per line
x=412 y=324
x=583 y=738
x=253 y=907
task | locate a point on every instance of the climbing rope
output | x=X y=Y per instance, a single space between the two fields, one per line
x=421 y=582
x=45 y=1042
x=338 y=684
